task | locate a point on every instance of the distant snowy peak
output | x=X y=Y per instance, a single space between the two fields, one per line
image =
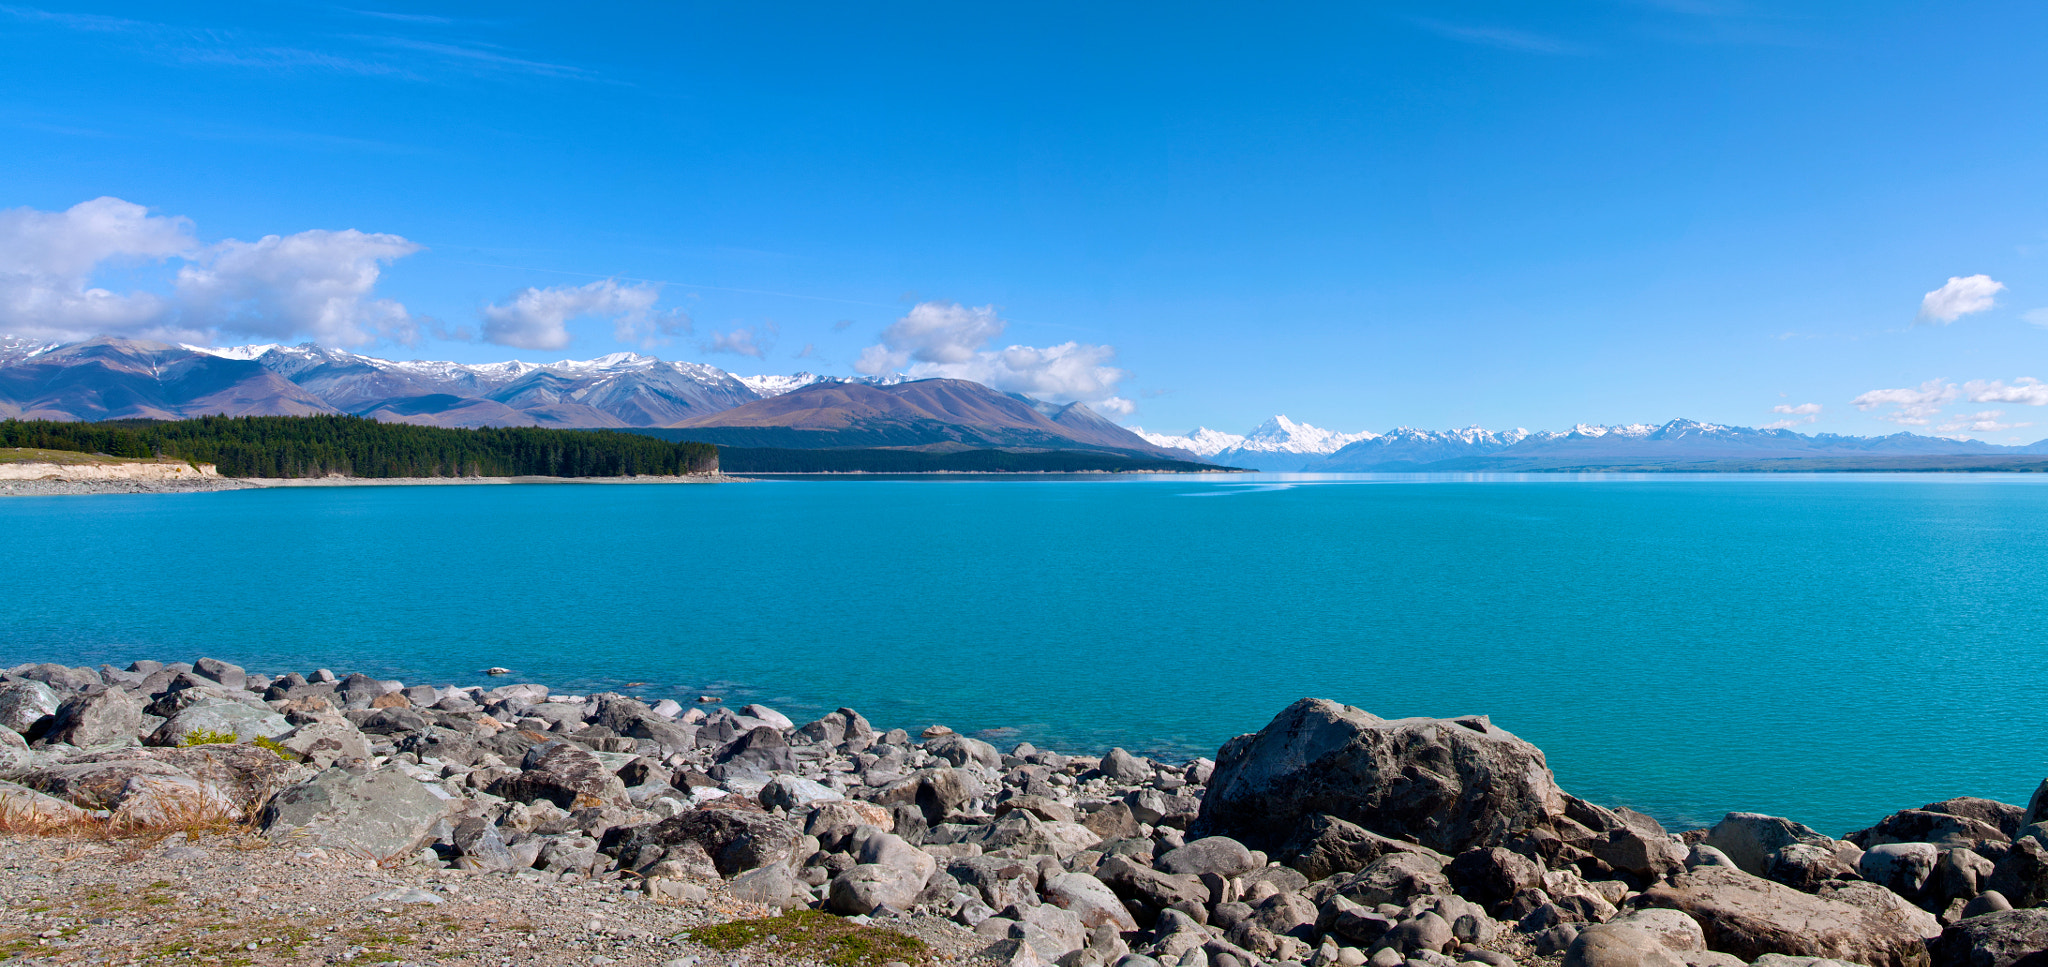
x=14 y=348
x=767 y=386
x=1276 y=435
x=1202 y=442
x=1282 y=435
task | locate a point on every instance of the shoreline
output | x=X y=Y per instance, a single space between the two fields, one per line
x=1330 y=836
x=26 y=479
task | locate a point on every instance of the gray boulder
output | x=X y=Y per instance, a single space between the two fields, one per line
x=1749 y=839
x=562 y=773
x=323 y=743
x=1617 y=945
x=108 y=717
x=1220 y=855
x=1448 y=784
x=959 y=750
x=1749 y=917
x=1804 y=866
x=1089 y=899
x=1124 y=767
x=2010 y=938
x=865 y=888
x=844 y=729
x=1325 y=845
x=1903 y=868
x=231 y=676
x=381 y=815
x=24 y=703
x=223 y=718
x=792 y=793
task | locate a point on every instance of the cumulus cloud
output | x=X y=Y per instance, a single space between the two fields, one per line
x=946 y=339
x=315 y=283
x=754 y=341
x=1114 y=406
x=1911 y=406
x=1795 y=415
x=48 y=260
x=2026 y=389
x=942 y=333
x=1960 y=296
x=538 y=318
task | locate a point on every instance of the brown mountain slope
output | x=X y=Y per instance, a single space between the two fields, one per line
x=104 y=379
x=922 y=413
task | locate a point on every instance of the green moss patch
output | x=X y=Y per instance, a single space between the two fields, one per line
x=816 y=936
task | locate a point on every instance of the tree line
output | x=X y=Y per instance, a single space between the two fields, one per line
x=319 y=446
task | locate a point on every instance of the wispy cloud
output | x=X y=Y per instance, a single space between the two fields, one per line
x=1502 y=38
x=1795 y=415
x=752 y=341
x=2025 y=390
x=375 y=55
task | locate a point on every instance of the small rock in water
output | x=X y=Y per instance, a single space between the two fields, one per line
x=708 y=699
x=495 y=670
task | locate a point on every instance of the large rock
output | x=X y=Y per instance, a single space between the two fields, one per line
x=28 y=808
x=1750 y=838
x=220 y=718
x=844 y=729
x=863 y=889
x=1902 y=868
x=1617 y=945
x=1979 y=822
x=737 y=840
x=2013 y=938
x=1090 y=899
x=109 y=717
x=1323 y=845
x=562 y=773
x=940 y=794
x=323 y=743
x=24 y=703
x=380 y=815
x=1449 y=784
x=1220 y=855
x=1749 y=917
x=1493 y=875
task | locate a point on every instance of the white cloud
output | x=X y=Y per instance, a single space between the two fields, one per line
x=48 y=259
x=1798 y=415
x=1987 y=421
x=1912 y=406
x=1114 y=406
x=940 y=333
x=1960 y=296
x=2026 y=389
x=2038 y=317
x=744 y=341
x=316 y=283
x=538 y=318
x=946 y=339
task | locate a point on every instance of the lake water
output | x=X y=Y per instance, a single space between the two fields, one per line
x=1827 y=648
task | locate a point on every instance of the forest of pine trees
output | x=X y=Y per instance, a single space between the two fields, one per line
x=318 y=446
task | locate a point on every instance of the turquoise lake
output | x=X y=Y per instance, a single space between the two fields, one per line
x=1826 y=648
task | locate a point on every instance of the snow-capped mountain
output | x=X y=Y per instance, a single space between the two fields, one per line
x=1407 y=448
x=1202 y=442
x=14 y=348
x=1279 y=444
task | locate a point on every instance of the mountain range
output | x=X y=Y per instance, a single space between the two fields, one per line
x=1282 y=445
x=111 y=378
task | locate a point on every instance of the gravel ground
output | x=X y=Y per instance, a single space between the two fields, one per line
x=66 y=488
x=232 y=900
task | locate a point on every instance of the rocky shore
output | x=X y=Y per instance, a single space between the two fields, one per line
x=200 y=813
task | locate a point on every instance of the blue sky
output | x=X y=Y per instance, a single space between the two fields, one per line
x=1360 y=215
